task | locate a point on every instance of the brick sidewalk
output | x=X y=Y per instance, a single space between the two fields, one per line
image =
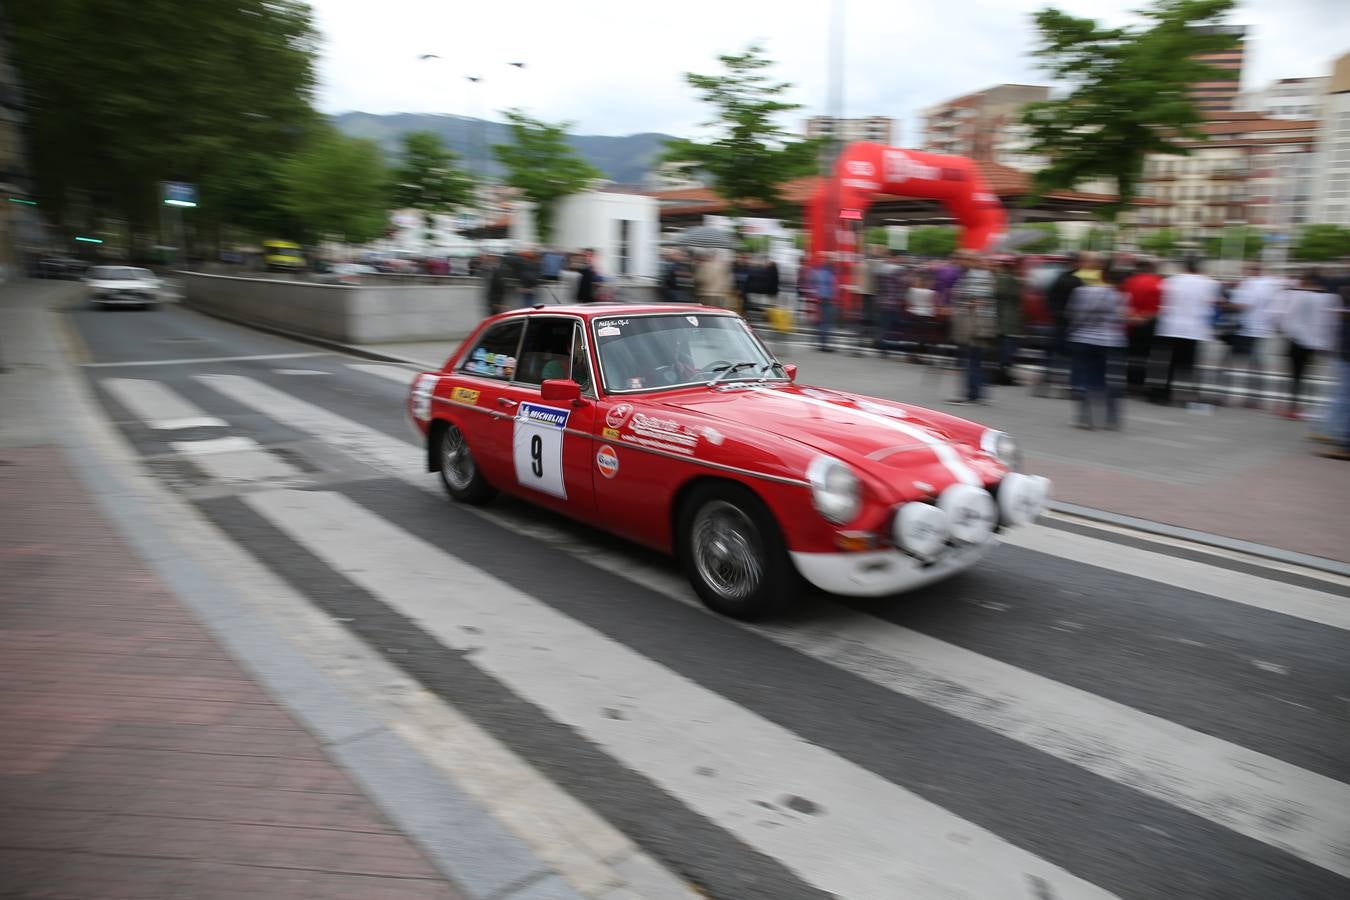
x=137 y=759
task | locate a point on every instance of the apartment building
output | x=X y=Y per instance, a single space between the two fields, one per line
x=1220 y=95
x=877 y=129
x=1252 y=170
x=985 y=125
x=1331 y=162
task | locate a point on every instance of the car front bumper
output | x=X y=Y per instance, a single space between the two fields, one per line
x=877 y=573
x=124 y=298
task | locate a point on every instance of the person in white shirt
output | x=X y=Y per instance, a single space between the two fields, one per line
x=919 y=306
x=1308 y=319
x=1256 y=303
x=1185 y=321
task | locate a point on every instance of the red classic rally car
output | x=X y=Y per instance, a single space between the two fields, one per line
x=674 y=426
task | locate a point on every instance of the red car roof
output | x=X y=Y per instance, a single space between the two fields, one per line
x=608 y=310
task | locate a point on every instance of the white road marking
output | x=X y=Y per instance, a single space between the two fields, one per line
x=1239 y=587
x=233 y=444
x=300 y=372
x=1246 y=791
x=200 y=359
x=393 y=373
x=236 y=460
x=157 y=405
x=677 y=728
x=1273 y=668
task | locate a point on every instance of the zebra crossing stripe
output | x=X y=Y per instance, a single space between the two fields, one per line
x=585 y=680
x=157 y=405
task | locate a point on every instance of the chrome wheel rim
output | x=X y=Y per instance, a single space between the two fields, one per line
x=456 y=460
x=725 y=554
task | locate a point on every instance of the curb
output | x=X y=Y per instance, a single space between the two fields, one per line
x=477 y=854
x=1162 y=529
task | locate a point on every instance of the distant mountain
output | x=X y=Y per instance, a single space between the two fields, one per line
x=624 y=159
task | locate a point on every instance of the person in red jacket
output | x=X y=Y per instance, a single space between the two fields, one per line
x=1143 y=292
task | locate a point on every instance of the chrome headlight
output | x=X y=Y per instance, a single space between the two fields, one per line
x=1002 y=447
x=835 y=490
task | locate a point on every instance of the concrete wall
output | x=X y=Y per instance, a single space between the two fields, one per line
x=355 y=315
x=365 y=314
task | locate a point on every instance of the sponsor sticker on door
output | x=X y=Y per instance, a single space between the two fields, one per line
x=607 y=461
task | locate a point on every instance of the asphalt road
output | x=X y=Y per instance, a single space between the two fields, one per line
x=1080 y=716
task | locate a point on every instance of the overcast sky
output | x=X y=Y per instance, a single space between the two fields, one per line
x=616 y=66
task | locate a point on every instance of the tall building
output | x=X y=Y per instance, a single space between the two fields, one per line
x=878 y=129
x=985 y=125
x=1331 y=163
x=1221 y=95
x=1288 y=98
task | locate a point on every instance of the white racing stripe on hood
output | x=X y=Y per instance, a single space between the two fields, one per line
x=945 y=454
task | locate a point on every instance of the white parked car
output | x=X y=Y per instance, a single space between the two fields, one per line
x=346 y=273
x=123 y=286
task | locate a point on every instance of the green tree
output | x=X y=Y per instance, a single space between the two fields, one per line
x=124 y=94
x=337 y=187
x=750 y=157
x=933 y=240
x=428 y=178
x=1237 y=242
x=1128 y=92
x=543 y=166
x=1047 y=241
x=1162 y=242
x=1321 y=243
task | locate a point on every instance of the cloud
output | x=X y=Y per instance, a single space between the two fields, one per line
x=616 y=66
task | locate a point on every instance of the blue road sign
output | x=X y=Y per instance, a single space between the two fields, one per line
x=180 y=193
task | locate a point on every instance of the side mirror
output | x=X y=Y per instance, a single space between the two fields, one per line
x=791 y=370
x=560 y=390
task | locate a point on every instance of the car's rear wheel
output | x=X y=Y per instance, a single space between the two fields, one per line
x=459 y=472
x=733 y=553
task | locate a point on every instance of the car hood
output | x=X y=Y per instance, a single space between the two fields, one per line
x=879 y=438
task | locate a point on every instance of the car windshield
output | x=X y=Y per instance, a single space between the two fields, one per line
x=118 y=273
x=658 y=352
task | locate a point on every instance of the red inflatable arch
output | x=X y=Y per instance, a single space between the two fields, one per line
x=865 y=170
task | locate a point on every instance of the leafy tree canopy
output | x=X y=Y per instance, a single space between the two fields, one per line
x=1128 y=91
x=751 y=156
x=933 y=240
x=543 y=166
x=1163 y=242
x=428 y=177
x=337 y=187
x=124 y=94
x=1320 y=243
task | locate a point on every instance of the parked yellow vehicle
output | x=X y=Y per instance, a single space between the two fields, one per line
x=282 y=256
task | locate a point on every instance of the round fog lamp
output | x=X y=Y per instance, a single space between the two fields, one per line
x=920 y=529
x=970 y=512
x=1019 y=500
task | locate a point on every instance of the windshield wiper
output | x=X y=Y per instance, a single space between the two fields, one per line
x=728 y=370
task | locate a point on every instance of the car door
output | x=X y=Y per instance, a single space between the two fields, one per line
x=549 y=443
x=479 y=397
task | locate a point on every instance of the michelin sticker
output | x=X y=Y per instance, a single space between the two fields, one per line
x=537 y=447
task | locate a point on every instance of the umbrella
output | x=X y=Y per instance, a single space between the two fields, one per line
x=708 y=237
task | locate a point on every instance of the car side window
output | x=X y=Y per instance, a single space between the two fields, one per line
x=546 y=351
x=581 y=360
x=495 y=354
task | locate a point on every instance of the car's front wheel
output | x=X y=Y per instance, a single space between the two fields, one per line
x=459 y=472
x=734 y=554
